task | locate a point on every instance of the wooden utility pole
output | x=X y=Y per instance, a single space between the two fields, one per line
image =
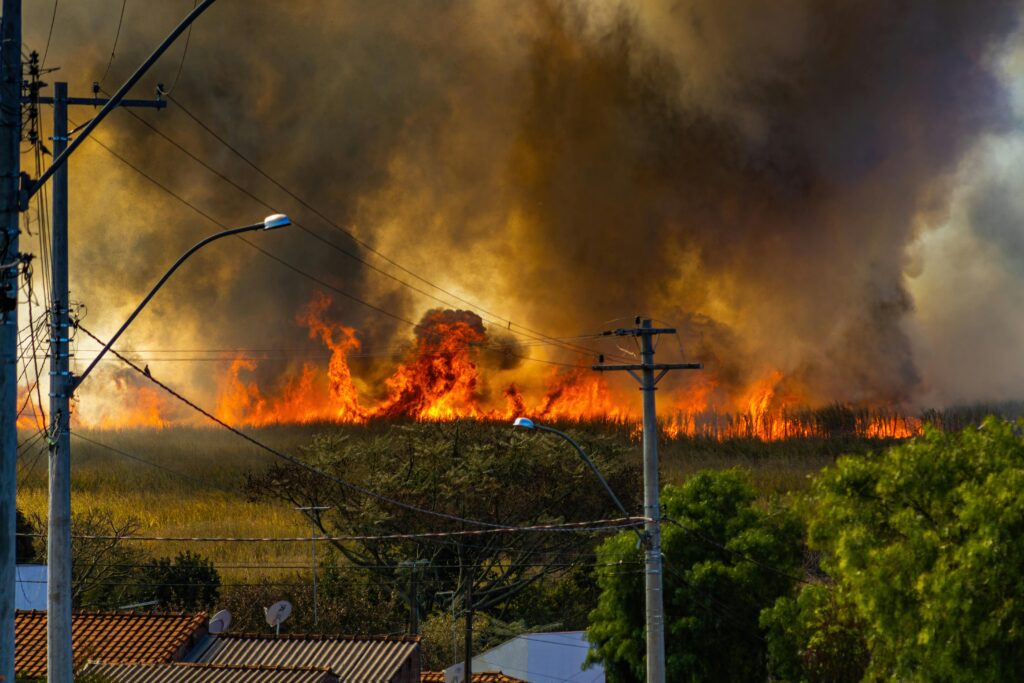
x=10 y=262
x=652 y=508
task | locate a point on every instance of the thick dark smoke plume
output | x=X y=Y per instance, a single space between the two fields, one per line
x=755 y=170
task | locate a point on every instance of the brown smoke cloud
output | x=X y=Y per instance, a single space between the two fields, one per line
x=751 y=172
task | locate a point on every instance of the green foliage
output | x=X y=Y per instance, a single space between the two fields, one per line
x=186 y=582
x=927 y=541
x=725 y=560
x=466 y=469
x=815 y=637
x=107 y=572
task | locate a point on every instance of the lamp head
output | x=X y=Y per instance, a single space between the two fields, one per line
x=277 y=220
x=524 y=422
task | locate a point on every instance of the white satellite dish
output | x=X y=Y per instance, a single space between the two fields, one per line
x=220 y=621
x=277 y=613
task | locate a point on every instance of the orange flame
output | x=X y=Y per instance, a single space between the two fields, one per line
x=439 y=378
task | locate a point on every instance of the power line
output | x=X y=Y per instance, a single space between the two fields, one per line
x=49 y=35
x=184 y=53
x=555 y=341
x=136 y=458
x=296 y=461
x=587 y=526
x=355 y=238
x=288 y=265
x=117 y=35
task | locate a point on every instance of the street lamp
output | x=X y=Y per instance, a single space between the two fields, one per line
x=527 y=423
x=63 y=385
x=272 y=222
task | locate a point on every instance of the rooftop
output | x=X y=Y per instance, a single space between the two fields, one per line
x=350 y=658
x=483 y=677
x=186 y=672
x=107 y=636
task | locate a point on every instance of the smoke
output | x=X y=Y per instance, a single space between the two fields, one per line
x=755 y=173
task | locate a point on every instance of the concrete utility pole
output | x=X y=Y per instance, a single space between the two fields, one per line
x=62 y=386
x=10 y=260
x=414 y=608
x=58 y=537
x=467 y=671
x=314 y=513
x=652 y=508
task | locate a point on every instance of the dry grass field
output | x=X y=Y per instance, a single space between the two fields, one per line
x=190 y=482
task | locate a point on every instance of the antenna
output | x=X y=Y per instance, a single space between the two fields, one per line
x=220 y=622
x=277 y=613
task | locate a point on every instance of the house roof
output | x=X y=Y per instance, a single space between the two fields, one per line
x=110 y=636
x=482 y=677
x=352 y=658
x=188 y=672
x=549 y=657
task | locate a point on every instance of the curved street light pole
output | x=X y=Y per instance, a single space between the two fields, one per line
x=278 y=220
x=527 y=423
x=63 y=384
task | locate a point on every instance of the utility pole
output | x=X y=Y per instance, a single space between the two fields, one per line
x=314 y=514
x=10 y=260
x=467 y=670
x=652 y=509
x=62 y=385
x=414 y=607
x=58 y=537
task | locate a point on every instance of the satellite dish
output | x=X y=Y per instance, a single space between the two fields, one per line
x=278 y=612
x=220 y=621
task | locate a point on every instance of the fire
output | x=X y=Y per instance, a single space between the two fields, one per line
x=148 y=408
x=306 y=397
x=441 y=377
x=579 y=394
x=29 y=414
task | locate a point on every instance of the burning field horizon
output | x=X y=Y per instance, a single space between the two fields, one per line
x=822 y=197
x=443 y=375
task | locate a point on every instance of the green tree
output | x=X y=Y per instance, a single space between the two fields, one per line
x=187 y=581
x=927 y=539
x=725 y=560
x=466 y=469
x=815 y=637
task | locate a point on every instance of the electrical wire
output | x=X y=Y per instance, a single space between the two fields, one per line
x=49 y=35
x=296 y=461
x=322 y=283
x=497 y=321
x=181 y=64
x=356 y=239
x=148 y=463
x=113 y=49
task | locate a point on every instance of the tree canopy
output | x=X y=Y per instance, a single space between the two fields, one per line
x=725 y=559
x=467 y=469
x=927 y=540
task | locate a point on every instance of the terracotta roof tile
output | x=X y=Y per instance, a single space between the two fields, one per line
x=109 y=636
